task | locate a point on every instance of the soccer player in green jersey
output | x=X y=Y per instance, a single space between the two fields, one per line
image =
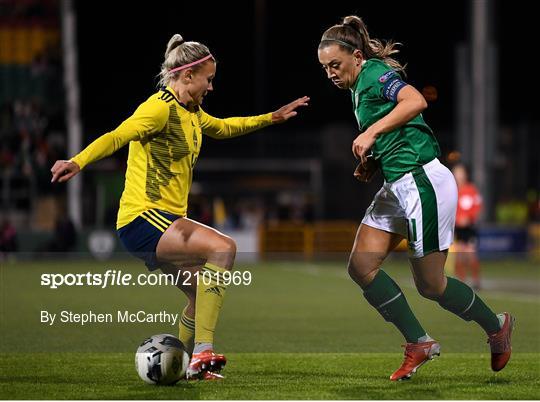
x=417 y=201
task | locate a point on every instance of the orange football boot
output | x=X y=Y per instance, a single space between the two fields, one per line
x=416 y=354
x=205 y=365
x=500 y=344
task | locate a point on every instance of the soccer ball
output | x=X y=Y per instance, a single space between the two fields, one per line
x=161 y=359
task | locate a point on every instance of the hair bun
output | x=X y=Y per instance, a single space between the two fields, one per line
x=174 y=42
x=354 y=22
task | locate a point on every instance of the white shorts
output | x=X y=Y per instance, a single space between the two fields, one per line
x=420 y=206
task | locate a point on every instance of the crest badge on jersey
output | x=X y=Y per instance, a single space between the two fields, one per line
x=385 y=76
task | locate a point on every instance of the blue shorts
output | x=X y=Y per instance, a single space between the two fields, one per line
x=141 y=236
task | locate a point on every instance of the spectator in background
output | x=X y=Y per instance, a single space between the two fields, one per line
x=65 y=236
x=8 y=239
x=533 y=201
x=468 y=210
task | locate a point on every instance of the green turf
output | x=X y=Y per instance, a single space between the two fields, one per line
x=271 y=376
x=299 y=331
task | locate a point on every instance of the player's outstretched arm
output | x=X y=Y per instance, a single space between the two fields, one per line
x=64 y=170
x=150 y=117
x=235 y=126
x=284 y=113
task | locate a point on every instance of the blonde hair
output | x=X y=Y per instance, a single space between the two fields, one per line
x=352 y=34
x=180 y=53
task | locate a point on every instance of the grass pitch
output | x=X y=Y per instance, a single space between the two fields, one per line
x=299 y=331
x=269 y=376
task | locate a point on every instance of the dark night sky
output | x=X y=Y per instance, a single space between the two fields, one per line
x=121 y=49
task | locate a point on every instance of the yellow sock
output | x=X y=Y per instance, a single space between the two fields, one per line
x=186 y=331
x=210 y=293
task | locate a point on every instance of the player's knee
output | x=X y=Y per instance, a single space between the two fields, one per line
x=353 y=266
x=223 y=251
x=362 y=267
x=226 y=245
x=430 y=291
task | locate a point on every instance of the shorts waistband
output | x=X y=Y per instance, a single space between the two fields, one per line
x=427 y=167
x=433 y=164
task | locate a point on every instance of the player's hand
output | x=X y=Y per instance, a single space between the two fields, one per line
x=284 y=113
x=63 y=171
x=366 y=170
x=361 y=146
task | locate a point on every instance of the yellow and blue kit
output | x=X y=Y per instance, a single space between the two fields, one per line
x=165 y=138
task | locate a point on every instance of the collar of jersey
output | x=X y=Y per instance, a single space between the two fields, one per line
x=171 y=91
x=355 y=85
x=353 y=88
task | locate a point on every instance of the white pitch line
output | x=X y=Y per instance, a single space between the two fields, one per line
x=513 y=297
x=313 y=270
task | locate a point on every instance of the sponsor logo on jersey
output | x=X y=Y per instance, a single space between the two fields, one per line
x=385 y=76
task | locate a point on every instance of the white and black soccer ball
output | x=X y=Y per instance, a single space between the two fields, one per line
x=161 y=359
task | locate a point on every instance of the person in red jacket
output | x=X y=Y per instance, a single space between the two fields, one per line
x=468 y=211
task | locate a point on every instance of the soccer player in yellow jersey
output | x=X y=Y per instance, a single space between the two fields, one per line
x=165 y=136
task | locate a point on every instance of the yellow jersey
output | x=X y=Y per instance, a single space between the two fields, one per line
x=164 y=142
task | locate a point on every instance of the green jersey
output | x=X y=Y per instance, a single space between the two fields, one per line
x=397 y=152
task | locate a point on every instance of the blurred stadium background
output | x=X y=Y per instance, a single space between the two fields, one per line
x=71 y=71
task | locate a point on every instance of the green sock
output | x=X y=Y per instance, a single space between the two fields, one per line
x=386 y=296
x=461 y=300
